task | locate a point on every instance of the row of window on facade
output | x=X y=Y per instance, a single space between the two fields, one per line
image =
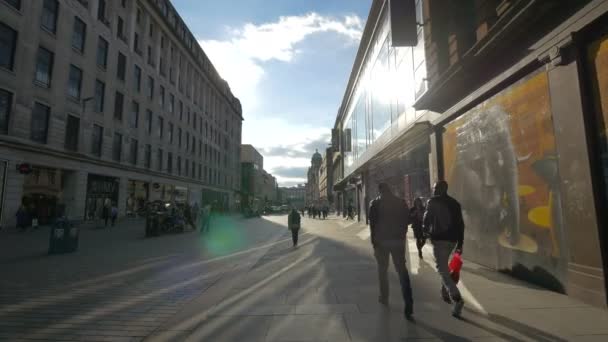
x=49 y=22
x=390 y=81
x=39 y=133
x=43 y=76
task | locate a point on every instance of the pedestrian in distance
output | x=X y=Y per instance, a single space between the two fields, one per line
x=389 y=216
x=22 y=218
x=105 y=211
x=114 y=213
x=416 y=216
x=444 y=225
x=293 y=223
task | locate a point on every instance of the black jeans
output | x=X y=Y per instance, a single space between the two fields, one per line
x=397 y=252
x=294 y=236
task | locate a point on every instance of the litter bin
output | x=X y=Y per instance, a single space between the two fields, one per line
x=64 y=237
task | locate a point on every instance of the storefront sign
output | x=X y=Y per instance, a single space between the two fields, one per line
x=24 y=168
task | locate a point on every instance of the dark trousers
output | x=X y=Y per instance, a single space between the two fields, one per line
x=113 y=221
x=294 y=236
x=397 y=253
x=106 y=218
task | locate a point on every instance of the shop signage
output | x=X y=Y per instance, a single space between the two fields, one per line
x=24 y=168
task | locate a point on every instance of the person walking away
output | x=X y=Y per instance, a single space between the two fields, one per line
x=293 y=222
x=388 y=220
x=188 y=216
x=416 y=216
x=105 y=212
x=22 y=218
x=444 y=225
x=114 y=212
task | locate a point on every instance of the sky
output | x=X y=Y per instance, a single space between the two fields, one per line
x=288 y=61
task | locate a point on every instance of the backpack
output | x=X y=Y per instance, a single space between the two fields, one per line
x=441 y=218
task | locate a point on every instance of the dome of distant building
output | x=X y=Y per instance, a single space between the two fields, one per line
x=317 y=157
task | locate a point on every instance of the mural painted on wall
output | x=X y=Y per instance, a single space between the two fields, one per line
x=598 y=71
x=500 y=162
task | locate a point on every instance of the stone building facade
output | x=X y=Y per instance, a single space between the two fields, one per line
x=115 y=100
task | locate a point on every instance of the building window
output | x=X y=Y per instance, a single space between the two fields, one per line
x=134 y=118
x=179 y=165
x=97 y=140
x=15 y=3
x=149 y=120
x=187 y=141
x=123 y=3
x=121 y=70
x=74 y=82
x=119 y=101
x=102 y=53
x=171 y=103
x=120 y=29
x=162 y=67
x=179 y=138
x=50 y=9
x=200 y=172
x=151 y=29
x=137 y=45
x=117 y=147
x=150 y=87
x=137 y=78
x=159 y=160
x=8 y=44
x=162 y=41
x=133 y=154
x=193 y=172
x=79 y=35
x=169 y=162
x=171 y=132
x=150 y=57
x=147 y=156
x=161 y=100
x=100 y=94
x=101 y=12
x=6 y=103
x=139 y=16
x=72 y=130
x=40 y=123
x=161 y=127
x=187 y=168
x=44 y=67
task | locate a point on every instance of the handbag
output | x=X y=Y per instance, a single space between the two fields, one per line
x=35 y=222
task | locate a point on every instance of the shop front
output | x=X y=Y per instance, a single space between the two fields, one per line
x=501 y=164
x=43 y=193
x=101 y=190
x=138 y=195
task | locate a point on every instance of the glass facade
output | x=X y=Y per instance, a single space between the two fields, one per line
x=390 y=80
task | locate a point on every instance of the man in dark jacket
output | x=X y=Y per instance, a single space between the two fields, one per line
x=293 y=223
x=443 y=223
x=388 y=220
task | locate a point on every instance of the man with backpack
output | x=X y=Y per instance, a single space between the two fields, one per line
x=444 y=225
x=388 y=221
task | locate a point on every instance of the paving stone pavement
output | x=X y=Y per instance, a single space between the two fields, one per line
x=247 y=283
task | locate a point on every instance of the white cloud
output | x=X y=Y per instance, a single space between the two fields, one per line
x=240 y=58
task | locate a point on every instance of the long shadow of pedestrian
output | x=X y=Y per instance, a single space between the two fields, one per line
x=524 y=329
